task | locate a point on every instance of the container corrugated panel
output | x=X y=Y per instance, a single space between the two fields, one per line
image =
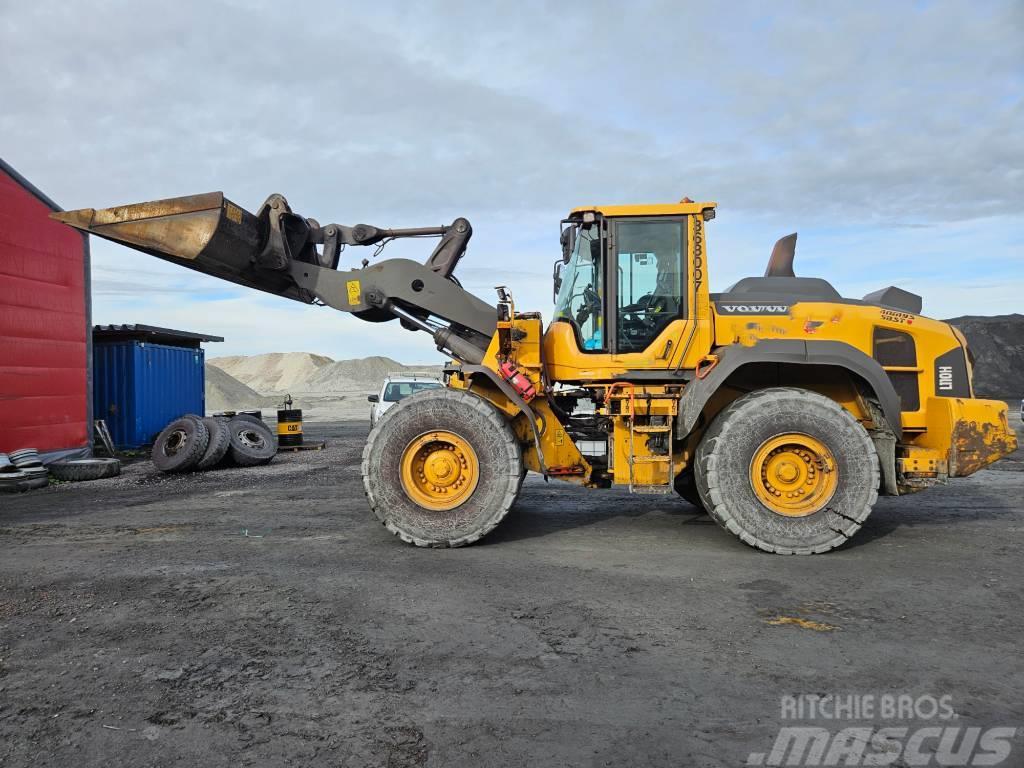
x=44 y=324
x=139 y=388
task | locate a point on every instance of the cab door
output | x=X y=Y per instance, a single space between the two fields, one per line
x=650 y=290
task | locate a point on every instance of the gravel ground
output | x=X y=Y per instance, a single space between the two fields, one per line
x=262 y=617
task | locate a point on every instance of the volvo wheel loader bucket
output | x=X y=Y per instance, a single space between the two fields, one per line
x=207 y=233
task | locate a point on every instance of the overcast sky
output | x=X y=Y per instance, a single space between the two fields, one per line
x=890 y=135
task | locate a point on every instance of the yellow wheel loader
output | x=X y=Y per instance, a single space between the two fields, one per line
x=778 y=406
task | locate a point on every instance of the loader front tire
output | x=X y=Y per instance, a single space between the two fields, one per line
x=441 y=468
x=788 y=471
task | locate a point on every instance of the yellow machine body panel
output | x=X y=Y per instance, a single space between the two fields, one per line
x=862 y=327
x=550 y=450
x=682 y=208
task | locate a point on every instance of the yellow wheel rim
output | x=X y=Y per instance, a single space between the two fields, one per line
x=794 y=474
x=439 y=470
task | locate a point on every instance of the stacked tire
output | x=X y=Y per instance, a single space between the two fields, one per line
x=22 y=471
x=195 y=443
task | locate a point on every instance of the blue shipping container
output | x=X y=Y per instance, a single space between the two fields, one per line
x=140 y=387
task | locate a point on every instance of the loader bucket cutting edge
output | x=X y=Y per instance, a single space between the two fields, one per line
x=207 y=233
x=181 y=227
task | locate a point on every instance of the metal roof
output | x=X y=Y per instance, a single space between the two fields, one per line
x=150 y=333
x=684 y=206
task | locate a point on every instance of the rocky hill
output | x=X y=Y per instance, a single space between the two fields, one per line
x=997 y=344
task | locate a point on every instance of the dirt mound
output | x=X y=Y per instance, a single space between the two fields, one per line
x=226 y=393
x=273 y=372
x=997 y=344
x=364 y=374
x=302 y=372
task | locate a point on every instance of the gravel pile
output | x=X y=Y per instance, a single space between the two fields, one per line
x=226 y=393
x=305 y=373
x=273 y=372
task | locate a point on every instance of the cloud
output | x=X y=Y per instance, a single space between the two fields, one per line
x=856 y=124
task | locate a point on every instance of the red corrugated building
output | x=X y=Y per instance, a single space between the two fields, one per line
x=45 y=324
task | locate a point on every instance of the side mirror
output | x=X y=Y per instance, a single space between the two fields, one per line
x=568 y=240
x=556 y=279
x=373 y=398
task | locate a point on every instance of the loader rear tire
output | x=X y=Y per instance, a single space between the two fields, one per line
x=441 y=468
x=788 y=471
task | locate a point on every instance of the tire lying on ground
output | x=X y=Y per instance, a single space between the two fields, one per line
x=252 y=442
x=219 y=443
x=441 y=468
x=80 y=470
x=787 y=471
x=181 y=444
x=27 y=484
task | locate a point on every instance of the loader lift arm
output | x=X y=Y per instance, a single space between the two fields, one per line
x=276 y=250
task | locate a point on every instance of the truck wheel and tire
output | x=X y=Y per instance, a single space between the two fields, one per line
x=686 y=486
x=181 y=444
x=441 y=468
x=80 y=470
x=219 y=444
x=788 y=471
x=252 y=442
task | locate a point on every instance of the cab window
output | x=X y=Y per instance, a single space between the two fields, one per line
x=650 y=269
x=580 y=299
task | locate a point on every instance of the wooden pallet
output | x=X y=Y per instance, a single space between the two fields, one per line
x=304 y=447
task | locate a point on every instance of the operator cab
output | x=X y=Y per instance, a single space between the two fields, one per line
x=623 y=278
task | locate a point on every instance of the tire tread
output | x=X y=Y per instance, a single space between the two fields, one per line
x=734 y=416
x=487 y=413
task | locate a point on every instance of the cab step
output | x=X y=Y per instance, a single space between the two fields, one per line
x=652 y=490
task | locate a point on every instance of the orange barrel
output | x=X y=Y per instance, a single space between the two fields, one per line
x=289 y=427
